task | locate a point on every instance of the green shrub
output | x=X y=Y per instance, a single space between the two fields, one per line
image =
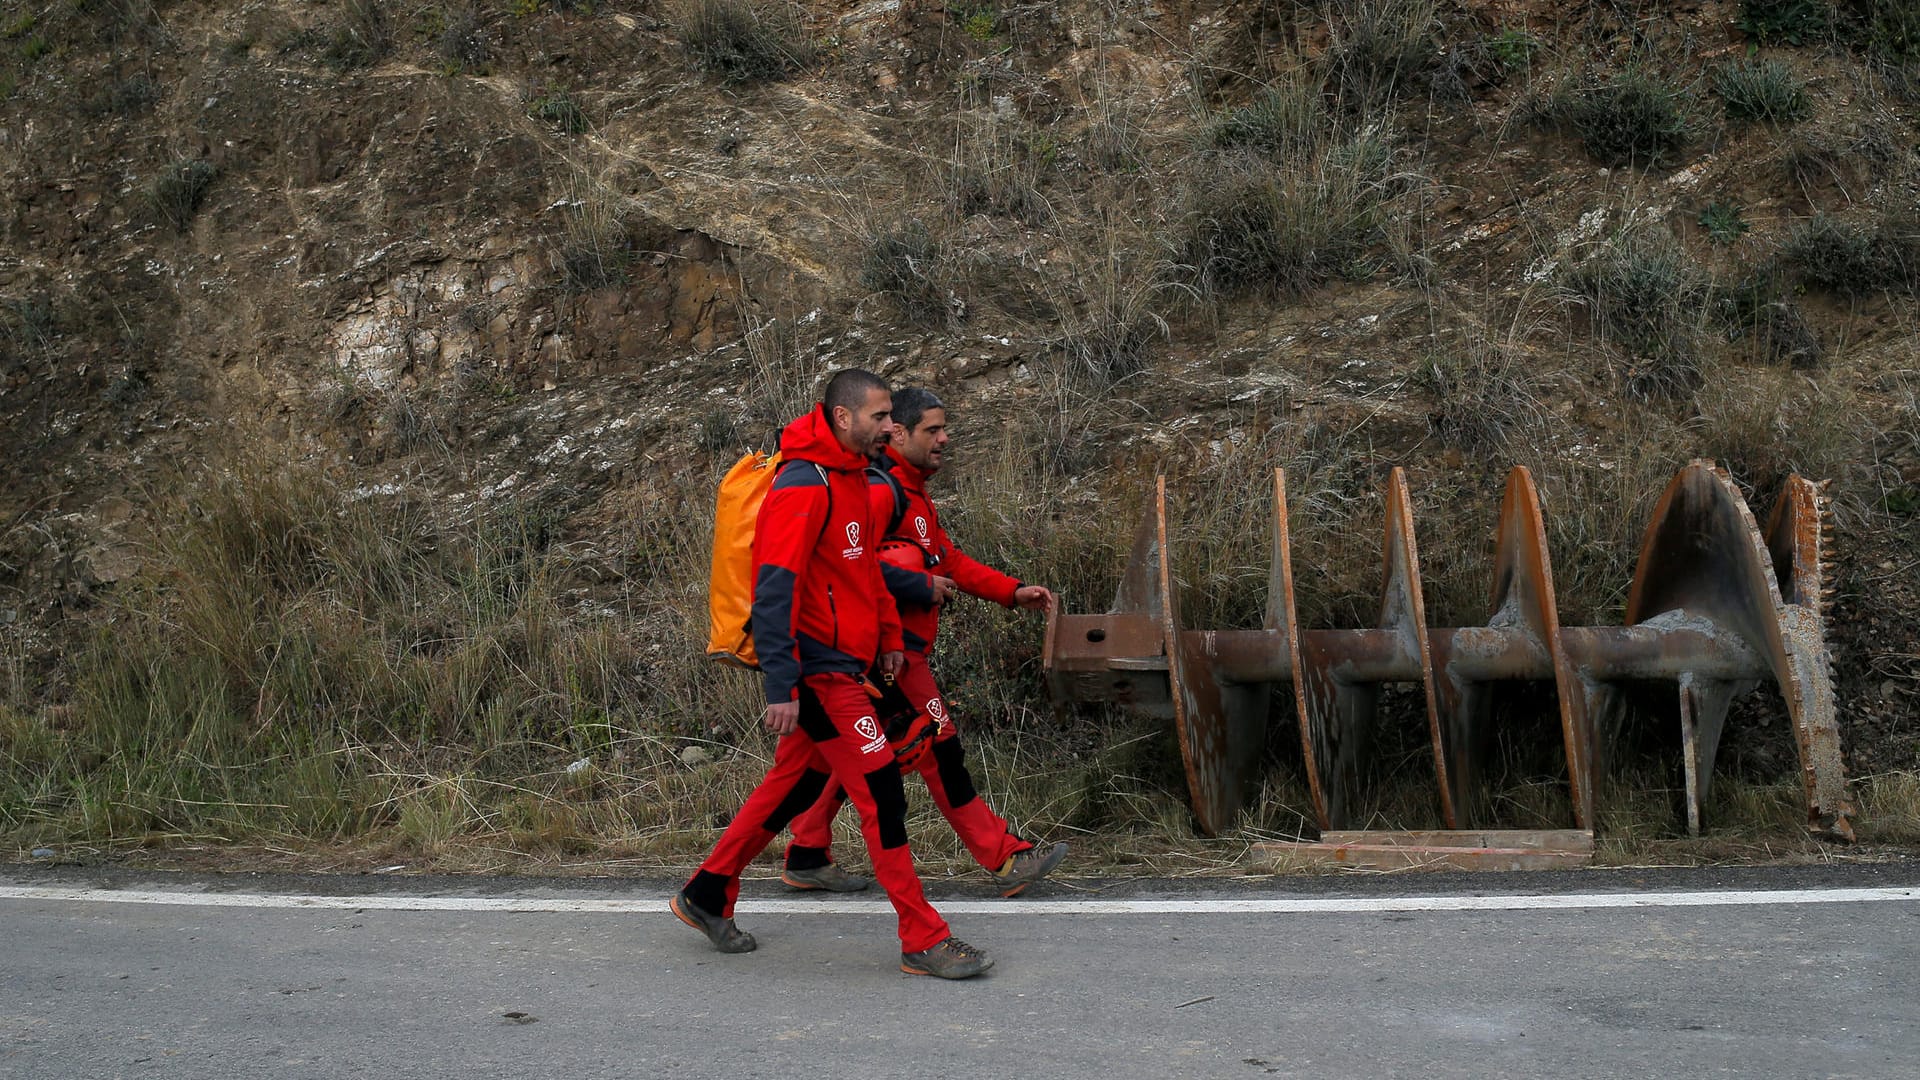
x=978 y=21
x=1512 y=49
x=1723 y=222
x=1630 y=119
x=904 y=264
x=559 y=111
x=175 y=195
x=1834 y=255
x=1837 y=256
x=1784 y=22
x=1762 y=90
x=1469 y=65
x=741 y=40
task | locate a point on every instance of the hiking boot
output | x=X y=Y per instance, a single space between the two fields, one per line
x=951 y=959
x=725 y=936
x=1027 y=867
x=829 y=877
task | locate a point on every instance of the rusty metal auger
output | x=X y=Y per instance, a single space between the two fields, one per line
x=1716 y=608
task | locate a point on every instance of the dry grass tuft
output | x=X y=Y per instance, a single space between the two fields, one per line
x=742 y=41
x=1889 y=808
x=1486 y=398
x=594 y=248
x=907 y=265
x=1250 y=226
x=1381 y=48
x=1643 y=292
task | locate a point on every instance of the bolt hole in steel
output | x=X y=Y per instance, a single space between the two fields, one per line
x=1717 y=608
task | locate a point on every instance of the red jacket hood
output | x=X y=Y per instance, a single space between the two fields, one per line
x=810 y=438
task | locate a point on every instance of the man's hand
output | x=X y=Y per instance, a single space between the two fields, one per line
x=893 y=663
x=781 y=719
x=1033 y=597
x=944 y=589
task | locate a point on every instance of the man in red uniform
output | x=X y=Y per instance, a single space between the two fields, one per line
x=923 y=569
x=821 y=618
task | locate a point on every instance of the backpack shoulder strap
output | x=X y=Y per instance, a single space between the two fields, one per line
x=877 y=474
x=825 y=482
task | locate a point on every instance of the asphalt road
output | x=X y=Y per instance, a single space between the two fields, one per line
x=111 y=989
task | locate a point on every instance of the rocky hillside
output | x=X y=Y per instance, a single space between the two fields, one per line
x=579 y=255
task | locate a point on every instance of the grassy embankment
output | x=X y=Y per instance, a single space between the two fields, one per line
x=339 y=678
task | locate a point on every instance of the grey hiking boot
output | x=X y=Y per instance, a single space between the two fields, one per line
x=829 y=877
x=1027 y=867
x=951 y=959
x=720 y=930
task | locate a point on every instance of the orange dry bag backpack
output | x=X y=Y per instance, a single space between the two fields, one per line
x=730 y=582
x=730 y=585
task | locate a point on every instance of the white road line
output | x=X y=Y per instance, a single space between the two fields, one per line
x=1271 y=905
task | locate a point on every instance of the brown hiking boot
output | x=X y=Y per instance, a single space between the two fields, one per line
x=1027 y=867
x=829 y=877
x=720 y=930
x=951 y=959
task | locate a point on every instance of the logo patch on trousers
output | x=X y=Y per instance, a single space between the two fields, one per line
x=870 y=731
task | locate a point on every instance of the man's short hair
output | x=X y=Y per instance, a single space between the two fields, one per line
x=911 y=403
x=848 y=389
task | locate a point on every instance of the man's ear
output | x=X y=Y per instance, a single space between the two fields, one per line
x=842 y=417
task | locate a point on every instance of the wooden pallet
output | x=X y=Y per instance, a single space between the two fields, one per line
x=1441 y=849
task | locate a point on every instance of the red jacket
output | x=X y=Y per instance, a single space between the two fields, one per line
x=819 y=602
x=913 y=590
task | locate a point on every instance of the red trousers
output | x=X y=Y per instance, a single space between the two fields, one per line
x=984 y=832
x=840 y=741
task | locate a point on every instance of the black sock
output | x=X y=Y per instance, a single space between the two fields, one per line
x=708 y=891
x=807 y=858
